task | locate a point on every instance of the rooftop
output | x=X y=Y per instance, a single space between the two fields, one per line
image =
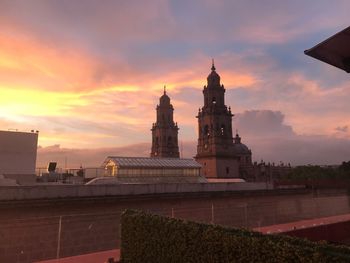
x=334 y=50
x=140 y=162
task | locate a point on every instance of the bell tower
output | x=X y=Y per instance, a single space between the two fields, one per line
x=215 y=142
x=165 y=130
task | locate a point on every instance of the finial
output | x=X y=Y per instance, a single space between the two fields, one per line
x=212 y=64
x=237 y=138
x=164 y=90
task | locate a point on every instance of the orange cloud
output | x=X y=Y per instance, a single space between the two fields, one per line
x=17 y=101
x=43 y=79
x=52 y=67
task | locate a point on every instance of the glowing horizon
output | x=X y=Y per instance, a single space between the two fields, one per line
x=90 y=76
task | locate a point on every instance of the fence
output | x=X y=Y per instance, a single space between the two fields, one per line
x=69 y=175
x=25 y=238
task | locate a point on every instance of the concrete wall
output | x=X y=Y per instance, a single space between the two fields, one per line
x=7 y=182
x=18 y=153
x=35 y=230
x=73 y=191
x=22 y=179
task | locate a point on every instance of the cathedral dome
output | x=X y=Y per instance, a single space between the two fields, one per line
x=240 y=148
x=164 y=99
x=213 y=77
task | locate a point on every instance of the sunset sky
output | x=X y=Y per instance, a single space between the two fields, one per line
x=88 y=74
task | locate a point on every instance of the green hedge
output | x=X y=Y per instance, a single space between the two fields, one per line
x=313 y=172
x=152 y=238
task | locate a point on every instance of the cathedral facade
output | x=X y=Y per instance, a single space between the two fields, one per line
x=217 y=151
x=165 y=130
x=220 y=154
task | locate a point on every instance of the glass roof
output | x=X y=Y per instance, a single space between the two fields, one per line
x=139 y=162
x=147 y=180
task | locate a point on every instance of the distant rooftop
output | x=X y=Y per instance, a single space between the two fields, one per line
x=139 y=162
x=334 y=50
x=18 y=131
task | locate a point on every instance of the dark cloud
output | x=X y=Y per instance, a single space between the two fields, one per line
x=94 y=157
x=270 y=139
x=73 y=158
x=342 y=128
x=264 y=132
x=262 y=123
x=302 y=150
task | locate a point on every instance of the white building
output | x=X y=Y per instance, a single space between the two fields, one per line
x=18 y=152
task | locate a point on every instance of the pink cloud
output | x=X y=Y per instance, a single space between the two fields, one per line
x=90 y=76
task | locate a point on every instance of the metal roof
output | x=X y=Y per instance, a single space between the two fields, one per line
x=146 y=162
x=334 y=50
x=147 y=180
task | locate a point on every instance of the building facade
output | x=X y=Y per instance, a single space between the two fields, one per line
x=220 y=155
x=165 y=131
x=215 y=149
x=18 y=151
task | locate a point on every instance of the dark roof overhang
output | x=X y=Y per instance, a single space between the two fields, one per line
x=334 y=50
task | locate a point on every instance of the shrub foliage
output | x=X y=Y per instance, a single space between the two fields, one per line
x=152 y=238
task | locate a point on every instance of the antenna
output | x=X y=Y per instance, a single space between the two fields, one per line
x=212 y=64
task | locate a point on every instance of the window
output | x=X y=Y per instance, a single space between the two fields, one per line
x=206 y=130
x=222 y=130
x=214 y=100
x=227 y=170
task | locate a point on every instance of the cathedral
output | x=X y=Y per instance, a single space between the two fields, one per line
x=165 y=130
x=220 y=154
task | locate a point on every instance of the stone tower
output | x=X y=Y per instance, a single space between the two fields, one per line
x=165 y=130
x=215 y=151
